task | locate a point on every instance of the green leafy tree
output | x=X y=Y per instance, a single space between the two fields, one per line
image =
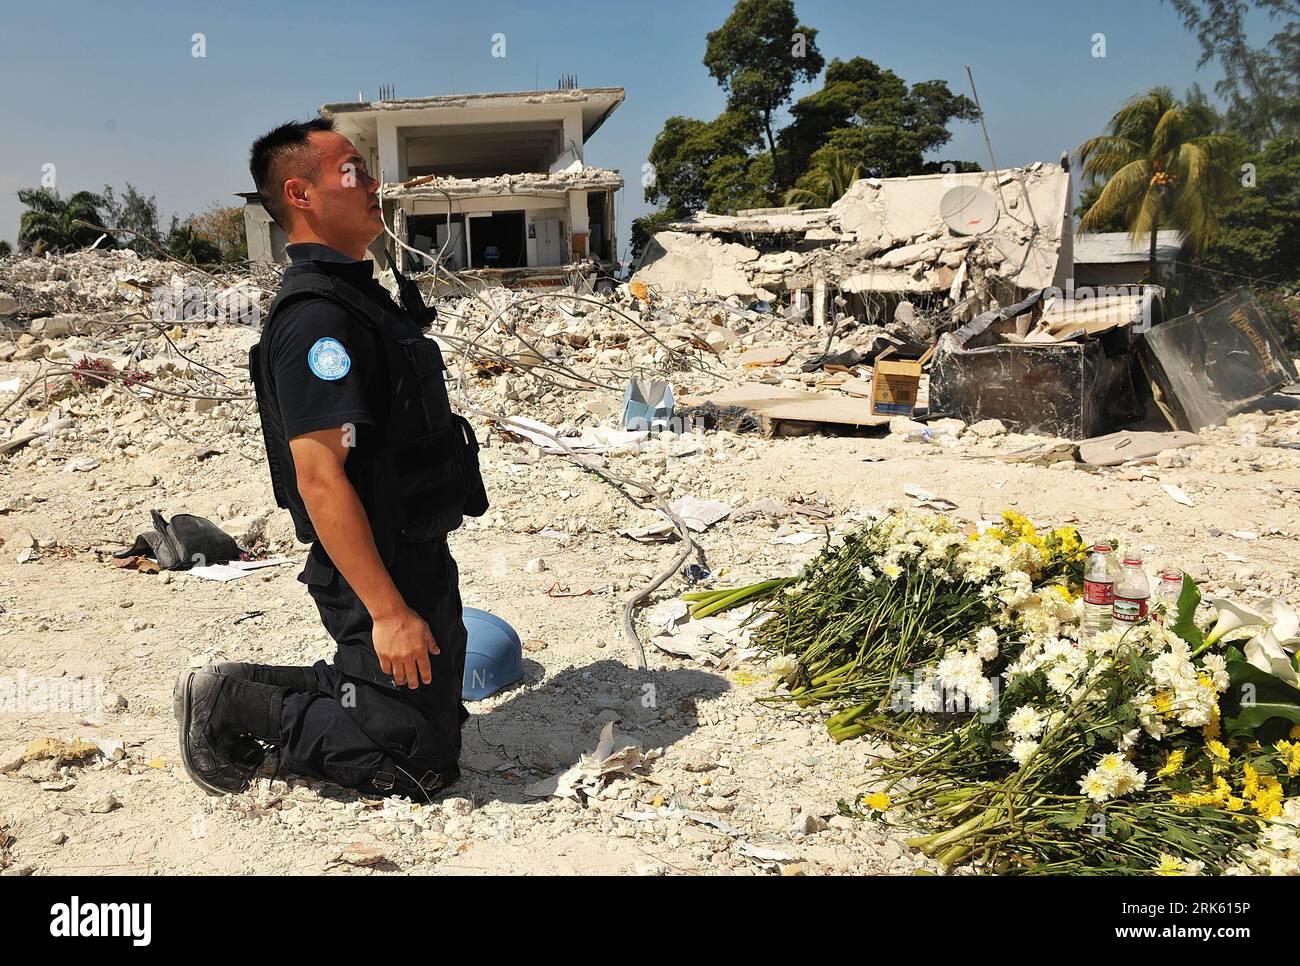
x=1260 y=85
x=5 y=248
x=223 y=225
x=51 y=223
x=1163 y=167
x=1259 y=228
x=757 y=55
x=874 y=117
x=1114 y=221
x=186 y=243
x=869 y=116
x=686 y=152
x=136 y=218
x=826 y=181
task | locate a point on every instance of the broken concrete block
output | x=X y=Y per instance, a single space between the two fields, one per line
x=988 y=428
x=902 y=426
x=907 y=255
x=55 y=326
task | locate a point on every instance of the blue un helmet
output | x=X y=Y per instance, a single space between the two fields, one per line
x=494 y=656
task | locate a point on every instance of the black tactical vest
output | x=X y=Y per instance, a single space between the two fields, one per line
x=422 y=474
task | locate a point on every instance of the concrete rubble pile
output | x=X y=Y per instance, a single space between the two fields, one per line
x=884 y=236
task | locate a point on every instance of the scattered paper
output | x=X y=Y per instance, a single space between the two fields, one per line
x=235 y=568
x=592 y=439
x=699 y=515
x=1177 y=494
x=797 y=539
x=592 y=771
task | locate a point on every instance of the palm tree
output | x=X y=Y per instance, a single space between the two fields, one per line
x=189 y=245
x=1163 y=166
x=51 y=224
x=826 y=180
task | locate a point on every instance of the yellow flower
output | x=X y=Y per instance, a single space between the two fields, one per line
x=877 y=801
x=1294 y=735
x=1173 y=764
x=1250 y=782
x=1218 y=751
x=1290 y=751
x=1169 y=865
x=1211 y=729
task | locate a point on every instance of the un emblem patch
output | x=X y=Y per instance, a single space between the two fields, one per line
x=328 y=360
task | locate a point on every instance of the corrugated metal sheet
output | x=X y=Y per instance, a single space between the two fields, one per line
x=1117 y=247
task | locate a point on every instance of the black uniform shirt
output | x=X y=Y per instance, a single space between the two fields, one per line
x=328 y=370
x=325 y=366
x=311 y=393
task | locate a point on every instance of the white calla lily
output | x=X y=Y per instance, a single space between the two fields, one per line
x=1266 y=652
x=1231 y=619
x=1283 y=623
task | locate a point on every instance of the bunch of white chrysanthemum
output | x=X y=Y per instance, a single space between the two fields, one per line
x=1192 y=692
x=985 y=643
x=962 y=672
x=1026 y=722
x=1048 y=613
x=1062 y=662
x=982 y=560
x=783 y=665
x=1278 y=850
x=1025 y=725
x=1112 y=777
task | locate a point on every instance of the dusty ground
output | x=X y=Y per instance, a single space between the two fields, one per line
x=734 y=776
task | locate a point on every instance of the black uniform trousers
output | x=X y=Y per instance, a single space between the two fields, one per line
x=357 y=728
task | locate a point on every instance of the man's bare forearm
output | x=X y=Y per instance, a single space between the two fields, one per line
x=344 y=530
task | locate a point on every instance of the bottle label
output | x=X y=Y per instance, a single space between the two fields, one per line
x=1130 y=610
x=1099 y=592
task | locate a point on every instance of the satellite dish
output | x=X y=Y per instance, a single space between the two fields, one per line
x=968 y=210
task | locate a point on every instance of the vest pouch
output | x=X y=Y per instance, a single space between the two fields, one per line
x=425 y=358
x=419 y=485
x=476 y=501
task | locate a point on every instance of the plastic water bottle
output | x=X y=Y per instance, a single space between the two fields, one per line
x=1132 y=592
x=1167 y=591
x=1099 y=590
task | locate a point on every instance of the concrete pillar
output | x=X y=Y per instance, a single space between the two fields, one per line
x=392 y=151
x=579 y=226
x=573 y=132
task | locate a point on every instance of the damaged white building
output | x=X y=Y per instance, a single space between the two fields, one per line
x=496 y=182
x=946 y=240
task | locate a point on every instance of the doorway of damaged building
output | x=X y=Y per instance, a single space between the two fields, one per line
x=498 y=240
x=598 y=243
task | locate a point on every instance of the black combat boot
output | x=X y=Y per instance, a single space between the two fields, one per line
x=275 y=675
x=222 y=720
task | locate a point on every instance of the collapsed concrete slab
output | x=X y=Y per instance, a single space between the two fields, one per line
x=702 y=264
x=894 y=236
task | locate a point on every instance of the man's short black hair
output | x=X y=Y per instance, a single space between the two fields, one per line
x=280 y=154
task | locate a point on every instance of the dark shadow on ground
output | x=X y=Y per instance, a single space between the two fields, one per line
x=545 y=729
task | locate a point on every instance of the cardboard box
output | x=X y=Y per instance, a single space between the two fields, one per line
x=895 y=383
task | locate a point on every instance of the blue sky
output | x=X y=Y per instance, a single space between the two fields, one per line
x=109 y=92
